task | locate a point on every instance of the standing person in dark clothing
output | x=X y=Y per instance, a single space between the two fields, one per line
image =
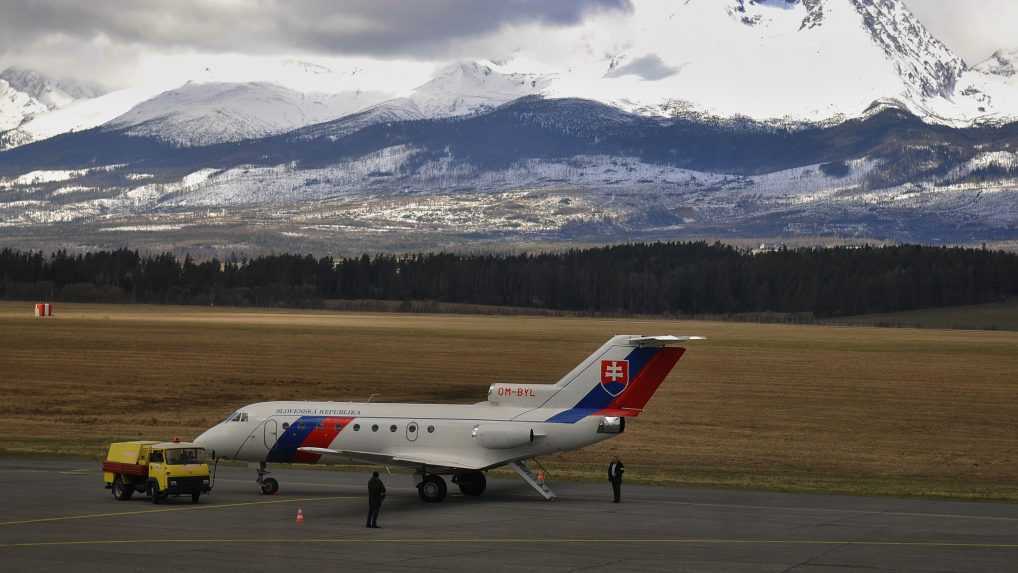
x=376 y=493
x=615 y=470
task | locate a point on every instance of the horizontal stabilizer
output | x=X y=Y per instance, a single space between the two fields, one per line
x=620 y=412
x=667 y=340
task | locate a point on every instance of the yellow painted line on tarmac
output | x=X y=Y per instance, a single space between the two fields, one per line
x=171 y=509
x=859 y=512
x=521 y=541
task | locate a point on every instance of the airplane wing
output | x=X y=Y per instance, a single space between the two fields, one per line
x=400 y=459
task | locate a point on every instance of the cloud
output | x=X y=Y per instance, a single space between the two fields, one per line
x=354 y=27
x=649 y=67
x=974 y=29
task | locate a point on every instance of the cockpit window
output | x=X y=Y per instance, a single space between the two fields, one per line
x=237 y=417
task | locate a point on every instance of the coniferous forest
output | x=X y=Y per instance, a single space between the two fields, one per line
x=660 y=278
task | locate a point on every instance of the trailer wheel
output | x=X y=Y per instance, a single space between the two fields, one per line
x=121 y=492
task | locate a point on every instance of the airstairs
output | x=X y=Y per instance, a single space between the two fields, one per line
x=529 y=477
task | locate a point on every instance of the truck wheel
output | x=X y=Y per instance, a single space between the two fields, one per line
x=121 y=492
x=153 y=490
x=195 y=496
x=270 y=486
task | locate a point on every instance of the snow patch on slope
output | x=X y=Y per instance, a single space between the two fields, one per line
x=204 y=114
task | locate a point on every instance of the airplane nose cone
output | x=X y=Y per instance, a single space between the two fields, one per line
x=208 y=440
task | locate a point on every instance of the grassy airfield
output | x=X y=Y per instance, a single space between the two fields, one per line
x=799 y=408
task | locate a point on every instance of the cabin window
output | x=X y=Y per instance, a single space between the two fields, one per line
x=392 y=428
x=156 y=458
x=374 y=427
x=356 y=427
x=431 y=429
x=412 y=428
x=286 y=426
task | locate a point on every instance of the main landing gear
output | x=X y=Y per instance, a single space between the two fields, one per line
x=269 y=486
x=471 y=483
x=432 y=488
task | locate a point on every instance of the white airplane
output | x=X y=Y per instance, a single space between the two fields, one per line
x=518 y=422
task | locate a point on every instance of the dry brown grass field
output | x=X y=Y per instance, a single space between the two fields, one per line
x=992 y=316
x=814 y=408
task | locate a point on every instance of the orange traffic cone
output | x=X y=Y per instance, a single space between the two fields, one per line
x=540 y=476
x=300 y=516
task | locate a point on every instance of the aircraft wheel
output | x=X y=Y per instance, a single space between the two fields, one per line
x=472 y=483
x=121 y=492
x=270 y=486
x=432 y=489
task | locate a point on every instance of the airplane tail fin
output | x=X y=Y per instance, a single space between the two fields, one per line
x=618 y=379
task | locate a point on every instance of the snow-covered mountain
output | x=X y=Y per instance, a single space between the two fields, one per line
x=468 y=87
x=685 y=118
x=785 y=61
x=15 y=106
x=27 y=96
x=1003 y=63
x=208 y=113
x=52 y=93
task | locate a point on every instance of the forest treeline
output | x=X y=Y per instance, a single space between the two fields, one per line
x=687 y=278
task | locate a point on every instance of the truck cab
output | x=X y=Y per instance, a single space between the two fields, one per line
x=160 y=469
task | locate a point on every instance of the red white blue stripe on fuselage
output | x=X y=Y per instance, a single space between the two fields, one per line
x=305 y=432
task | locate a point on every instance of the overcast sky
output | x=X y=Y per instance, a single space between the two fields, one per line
x=974 y=29
x=115 y=41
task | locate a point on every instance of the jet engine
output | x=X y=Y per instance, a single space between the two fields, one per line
x=503 y=436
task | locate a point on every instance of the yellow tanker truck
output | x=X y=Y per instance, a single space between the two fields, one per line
x=158 y=469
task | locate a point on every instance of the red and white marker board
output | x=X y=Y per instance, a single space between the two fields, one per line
x=43 y=309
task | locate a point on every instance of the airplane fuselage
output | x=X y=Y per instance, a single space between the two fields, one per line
x=400 y=434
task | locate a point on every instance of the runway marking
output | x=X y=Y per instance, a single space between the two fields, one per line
x=518 y=541
x=170 y=509
x=861 y=512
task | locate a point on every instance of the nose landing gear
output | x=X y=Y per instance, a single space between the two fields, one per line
x=267 y=485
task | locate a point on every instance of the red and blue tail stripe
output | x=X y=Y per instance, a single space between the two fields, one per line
x=648 y=367
x=306 y=431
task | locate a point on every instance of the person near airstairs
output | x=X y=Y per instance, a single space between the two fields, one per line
x=615 y=471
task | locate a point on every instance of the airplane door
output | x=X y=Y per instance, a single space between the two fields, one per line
x=271 y=433
x=412 y=431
